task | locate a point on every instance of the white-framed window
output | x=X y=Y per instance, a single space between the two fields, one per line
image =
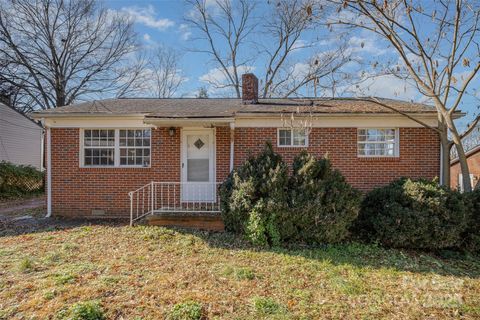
x=99 y=147
x=378 y=142
x=292 y=137
x=115 y=147
x=135 y=147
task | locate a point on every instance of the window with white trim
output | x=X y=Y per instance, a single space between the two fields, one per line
x=292 y=137
x=99 y=147
x=115 y=147
x=135 y=147
x=374 y=142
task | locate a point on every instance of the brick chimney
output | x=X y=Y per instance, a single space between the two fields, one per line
x=249 y=88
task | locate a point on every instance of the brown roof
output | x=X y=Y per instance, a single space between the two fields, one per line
x=226 y=108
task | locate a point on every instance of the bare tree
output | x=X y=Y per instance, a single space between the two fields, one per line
x=438 y=45
x=286 y=22
x=56 y=51
x=224 y=26
x=323 y=72
x=165 y=69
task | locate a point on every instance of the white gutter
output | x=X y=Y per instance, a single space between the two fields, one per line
x=169 y=122
x=232 y=144
x=49 y=173
x=40 y=115
x=442 y=178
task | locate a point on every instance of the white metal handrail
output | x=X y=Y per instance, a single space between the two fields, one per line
x=174 y=197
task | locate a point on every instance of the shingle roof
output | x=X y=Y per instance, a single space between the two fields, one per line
x=225 y=108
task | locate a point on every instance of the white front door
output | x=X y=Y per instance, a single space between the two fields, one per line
x=198 y=165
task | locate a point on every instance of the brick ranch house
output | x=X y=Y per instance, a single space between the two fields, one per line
x=473 y=160
x=174 y=152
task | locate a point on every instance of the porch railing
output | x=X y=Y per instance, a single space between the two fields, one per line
x=174 y=197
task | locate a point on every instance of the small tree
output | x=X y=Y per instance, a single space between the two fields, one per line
x=202 y=93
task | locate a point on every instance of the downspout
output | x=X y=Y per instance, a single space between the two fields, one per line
x=232 y=144
x=49 y=173
x=442 y=182
x=42 y=150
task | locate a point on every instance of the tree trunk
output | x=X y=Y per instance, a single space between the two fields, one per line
x=462 y=159
x=444 y=154
x=445 y=159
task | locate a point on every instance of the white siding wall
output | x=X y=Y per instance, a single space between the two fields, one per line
x=20 y=138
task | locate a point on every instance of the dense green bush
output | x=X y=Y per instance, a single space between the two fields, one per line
x=18 y=180
x=322 y=204
x=314 y=205
x=472 y=234
x=254 y=195
x=413 y=214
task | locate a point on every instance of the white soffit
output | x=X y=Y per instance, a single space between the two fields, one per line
x=324 y=121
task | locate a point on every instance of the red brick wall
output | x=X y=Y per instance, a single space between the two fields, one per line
x=474 y=167
x=77 y=191
x=223 y=152
x=419 y=153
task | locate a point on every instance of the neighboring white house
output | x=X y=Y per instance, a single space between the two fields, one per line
x=20 y=138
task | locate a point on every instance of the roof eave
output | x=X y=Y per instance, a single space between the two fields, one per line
x=329 y=114
x=47 y=115
x=157 y=121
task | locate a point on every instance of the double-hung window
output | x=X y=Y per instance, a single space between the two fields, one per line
x=292 y=137
x=115 y=147
x=99 y=147
x=135 y=147
x=378 y=142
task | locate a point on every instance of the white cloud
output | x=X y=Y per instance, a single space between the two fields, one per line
x=217 y=75
x=365 y=45
x=216 y=79
x=147 y=37
x=147 y=16
x=185 y=31
x=387 y=86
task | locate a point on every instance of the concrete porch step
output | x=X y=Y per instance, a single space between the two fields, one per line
x=191 y=221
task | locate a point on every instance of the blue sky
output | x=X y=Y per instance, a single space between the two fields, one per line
x=161 y=23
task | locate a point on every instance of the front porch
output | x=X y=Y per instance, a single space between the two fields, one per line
x=184 y=204
x=192 y=200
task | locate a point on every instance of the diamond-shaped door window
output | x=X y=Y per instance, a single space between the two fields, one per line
x=199 y=143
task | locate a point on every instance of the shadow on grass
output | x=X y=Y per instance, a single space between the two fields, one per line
x=446 y=262
x=38 y=224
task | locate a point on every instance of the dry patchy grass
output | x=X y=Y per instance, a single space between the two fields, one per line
x=144 y=272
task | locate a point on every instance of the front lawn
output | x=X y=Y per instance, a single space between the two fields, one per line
x=152 y=273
